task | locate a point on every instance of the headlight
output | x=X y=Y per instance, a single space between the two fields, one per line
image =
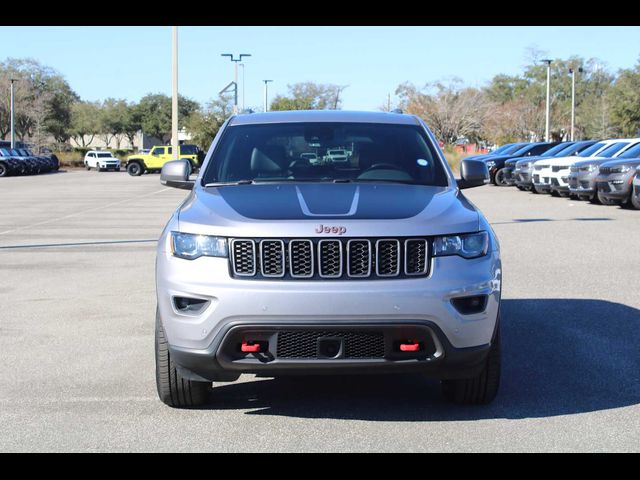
x=622 y=169
x=468 y=246
x=491 y=164
x=592 y=168
x=190 y=247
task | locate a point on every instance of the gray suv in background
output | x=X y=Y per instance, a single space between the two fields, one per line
x=277 y=265
x=615 y=178
x=582 y=177
x=635 y=195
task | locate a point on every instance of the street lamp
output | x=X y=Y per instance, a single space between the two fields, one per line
x=546 y=127
x=235 y=75
x=174 y=100
x=243 y=83
x=12 y=115
x=266 y=105
x=573 y=99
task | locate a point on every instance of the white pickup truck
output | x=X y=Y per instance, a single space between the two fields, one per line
x=101 y=160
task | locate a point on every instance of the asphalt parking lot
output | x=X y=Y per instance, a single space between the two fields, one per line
x=77 y=304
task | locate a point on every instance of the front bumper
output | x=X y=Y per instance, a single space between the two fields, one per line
x=523 y=177
x=509 y=176
x=203 y=344
x=541 y=180
x=615 y=186
x=582 y=183
x=109 y=165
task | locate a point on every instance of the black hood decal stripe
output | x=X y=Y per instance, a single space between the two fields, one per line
x=317 y=201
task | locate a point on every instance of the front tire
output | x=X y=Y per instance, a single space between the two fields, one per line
x=605 y=201
x=499 y=179
x=4 y=171
x=635 y=200
x=135 y=169
x=174 y=390
x=479 y=390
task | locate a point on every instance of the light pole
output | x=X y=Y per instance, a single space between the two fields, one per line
x=573 y=100
x=546 y=126
x=12 y=115
x=243 y=83
x=266 y=104
x=174 y=101
x=235 y=75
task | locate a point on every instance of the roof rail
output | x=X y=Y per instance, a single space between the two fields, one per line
x=397 y=110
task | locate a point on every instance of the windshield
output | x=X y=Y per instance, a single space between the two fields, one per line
x=523 y=149
x=633 y=152
x=503 y=149
x=592 y=149
x=611 y=150
x=188 y=150
x=292 y=152
x=104 y=155
x=552 y=152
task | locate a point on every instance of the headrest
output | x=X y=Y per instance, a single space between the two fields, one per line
x=268 y=159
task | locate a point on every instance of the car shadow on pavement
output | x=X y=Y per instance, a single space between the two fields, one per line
x=560 y=357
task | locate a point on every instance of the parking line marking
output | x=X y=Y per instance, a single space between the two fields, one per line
x=75 y=244
x=71 y=215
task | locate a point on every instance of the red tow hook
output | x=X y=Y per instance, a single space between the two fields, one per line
x=411 y=346
x=252 y=347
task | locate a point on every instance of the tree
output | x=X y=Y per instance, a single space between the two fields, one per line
x=132 y=123
x=85 y=123
x=204 y=125
x=625 y=101
x=114 y=115
x=451 y=110
x=155 y=114
x=310 y=96
x=43 y=100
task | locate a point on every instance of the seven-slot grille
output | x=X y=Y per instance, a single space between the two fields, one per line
x=329 y=258
x=605 y=170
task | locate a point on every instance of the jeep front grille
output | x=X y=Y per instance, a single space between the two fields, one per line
x=272 y=258
x=244 y=257
x=356 y=258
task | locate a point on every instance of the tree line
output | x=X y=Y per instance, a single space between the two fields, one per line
x=512 y=107
x=509 y=108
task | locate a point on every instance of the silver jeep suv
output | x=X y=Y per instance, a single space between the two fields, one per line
x=276 y=265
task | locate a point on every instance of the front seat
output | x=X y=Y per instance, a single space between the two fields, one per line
x=269 y=161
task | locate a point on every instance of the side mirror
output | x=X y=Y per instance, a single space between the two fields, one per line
x=474 y=173
x=176 y=174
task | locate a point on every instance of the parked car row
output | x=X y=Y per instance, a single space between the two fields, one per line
x=22 y=161
x=605 y=171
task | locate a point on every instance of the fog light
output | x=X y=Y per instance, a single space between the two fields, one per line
x=189 y=305
x=469 y=305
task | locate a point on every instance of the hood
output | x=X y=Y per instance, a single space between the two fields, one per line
x=365 y=209
x=592 y=161
x=557 y=161
x=632 y=162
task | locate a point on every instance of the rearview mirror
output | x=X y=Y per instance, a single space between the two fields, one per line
x=176 y=174
x=474 y=173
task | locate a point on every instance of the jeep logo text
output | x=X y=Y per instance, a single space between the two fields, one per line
x=334 y=230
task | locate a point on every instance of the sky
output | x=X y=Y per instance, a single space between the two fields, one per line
x=129 y=62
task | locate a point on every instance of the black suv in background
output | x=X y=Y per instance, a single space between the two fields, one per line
x=495 y=163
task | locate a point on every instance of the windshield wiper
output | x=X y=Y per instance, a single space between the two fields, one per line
x=223 y=184
x=384 y=180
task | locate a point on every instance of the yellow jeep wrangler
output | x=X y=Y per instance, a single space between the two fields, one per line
x=158 y=156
